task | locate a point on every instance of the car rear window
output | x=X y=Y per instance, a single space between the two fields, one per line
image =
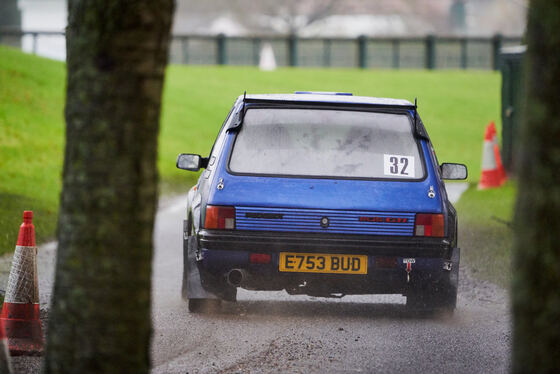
x=326 y=143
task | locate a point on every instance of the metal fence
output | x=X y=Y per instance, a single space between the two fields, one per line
x=427 y=52
x=512 y=104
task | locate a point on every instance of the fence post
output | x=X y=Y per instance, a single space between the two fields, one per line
x=464 y=60
x=292 y=50
x=221 y=49
x=256 y=51
x=35 y=41
x=496 y=47
x=185 y=50
x=430 y=52
x=326 y=52
x=396 y=53
x=362 y=51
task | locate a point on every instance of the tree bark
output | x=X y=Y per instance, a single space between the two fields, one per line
x=100 y=319
x=536 y=282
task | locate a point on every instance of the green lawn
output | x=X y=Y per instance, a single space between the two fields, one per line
x=455 y=107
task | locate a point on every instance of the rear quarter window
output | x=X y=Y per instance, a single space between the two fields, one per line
x=327 y=143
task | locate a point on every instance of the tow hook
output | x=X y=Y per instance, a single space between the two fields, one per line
x=408 y=262
x=447 y=265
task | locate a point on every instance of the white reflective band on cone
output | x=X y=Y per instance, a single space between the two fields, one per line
x=23 y=285
x=488 y=159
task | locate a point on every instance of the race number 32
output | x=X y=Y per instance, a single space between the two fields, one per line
x=399 y=166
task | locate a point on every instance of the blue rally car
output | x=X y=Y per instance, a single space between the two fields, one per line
x=323 y=194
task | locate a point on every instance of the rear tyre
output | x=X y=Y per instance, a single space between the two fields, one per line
x=195 y=293
x=449 y=298
x=184 y=286
x=204 y=305
x=437 y=298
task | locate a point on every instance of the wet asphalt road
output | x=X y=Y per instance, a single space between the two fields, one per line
x=272 y=332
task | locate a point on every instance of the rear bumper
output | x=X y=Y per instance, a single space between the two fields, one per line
x=321 y=243
x=222 y=251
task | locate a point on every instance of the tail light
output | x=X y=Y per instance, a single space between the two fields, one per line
x=429 y=225
x=220 y=217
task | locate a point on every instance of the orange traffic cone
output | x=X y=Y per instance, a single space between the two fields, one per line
x=493 y=173
x=497 y=155
x=20 y=313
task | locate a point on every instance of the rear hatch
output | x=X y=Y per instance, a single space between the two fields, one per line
x=327 y=171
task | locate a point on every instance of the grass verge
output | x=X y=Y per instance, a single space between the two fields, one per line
x=485 y=233
x=454 y=105
x=31 y=143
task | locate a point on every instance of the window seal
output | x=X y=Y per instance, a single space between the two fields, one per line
x=418 y=141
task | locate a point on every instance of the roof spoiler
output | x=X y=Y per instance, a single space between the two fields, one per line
x=419 y=129
x=239 y=114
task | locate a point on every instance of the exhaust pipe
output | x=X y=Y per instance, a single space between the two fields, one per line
x=236 y=277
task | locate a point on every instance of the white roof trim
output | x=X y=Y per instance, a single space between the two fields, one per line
x=330 y=99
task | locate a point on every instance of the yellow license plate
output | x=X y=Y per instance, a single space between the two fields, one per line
x=322 y=263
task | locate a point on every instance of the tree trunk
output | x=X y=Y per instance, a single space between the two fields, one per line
x=100 y=315
x=536 y=283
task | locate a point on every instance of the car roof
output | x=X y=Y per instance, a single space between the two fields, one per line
x=329 y=98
